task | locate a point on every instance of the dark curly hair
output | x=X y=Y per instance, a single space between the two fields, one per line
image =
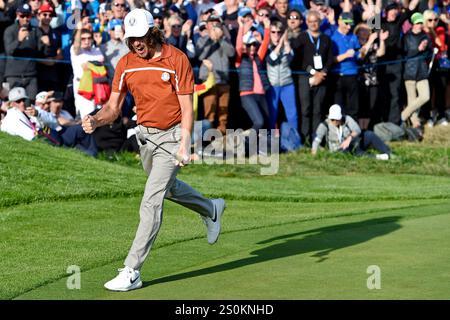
x=152 y=38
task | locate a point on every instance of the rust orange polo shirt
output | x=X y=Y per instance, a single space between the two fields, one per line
x=155 y=84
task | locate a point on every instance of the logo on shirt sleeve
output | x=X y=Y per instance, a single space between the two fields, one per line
x=165 y=76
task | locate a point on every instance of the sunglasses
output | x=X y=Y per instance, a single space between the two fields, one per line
x=22 y=16
x=254 y=44
x=46 y=15
x=176 y=26
x=119 y=5
x=432 y=20
x=276 y=32
x=294 y=17
x=263 y=15
x=20 y=100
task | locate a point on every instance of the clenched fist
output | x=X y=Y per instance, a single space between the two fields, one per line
x=89 y=124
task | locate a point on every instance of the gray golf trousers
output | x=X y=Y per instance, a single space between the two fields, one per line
x=161 y=183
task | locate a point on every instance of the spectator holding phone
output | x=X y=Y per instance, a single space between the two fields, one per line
x=25 y=42
x=216 y=47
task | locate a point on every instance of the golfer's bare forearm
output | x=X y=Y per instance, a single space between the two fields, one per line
x=110 y=111
x=187 y=118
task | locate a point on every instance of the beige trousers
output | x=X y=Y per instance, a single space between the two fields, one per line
x=418 y=93
x=161 y=183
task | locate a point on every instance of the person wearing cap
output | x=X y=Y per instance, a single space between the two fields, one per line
x=16 y=122
x=391 y=73
x=158 y=16
x=343 y=134
x=345 y=73
x=47 y=70
x=161 y=80
x=25 y=42
x=217 y=48
x=417 y=48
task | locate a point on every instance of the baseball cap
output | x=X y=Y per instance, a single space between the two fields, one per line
x=244 y=11
x=335 y=112
x=174 y=8
x=157 y=12
x=249 y=38
x=347 y=17
x=24 y=8
x=209 y=10
x=137 y=23
x=17 y=93
x=390 y=6
x=417 y=18
x=214 y=18
x=202 y=25
x=56 y=96
x=113 y=23
x=46 y=7
x=40 y=97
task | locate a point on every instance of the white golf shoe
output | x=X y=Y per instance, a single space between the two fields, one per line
x=128 y=279
x=213 y=226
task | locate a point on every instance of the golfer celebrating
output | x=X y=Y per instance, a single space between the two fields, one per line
x=160 y=79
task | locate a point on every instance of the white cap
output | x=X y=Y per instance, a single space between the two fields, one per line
x=137 y=23
x=249 y=38
x=17 y=93
x=40 y=97
x=335 y=112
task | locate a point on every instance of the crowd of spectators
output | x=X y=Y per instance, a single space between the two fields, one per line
x=272 y=61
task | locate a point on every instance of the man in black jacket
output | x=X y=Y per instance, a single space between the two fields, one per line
x=313 y=59
x=25 y=42
x=391 y=73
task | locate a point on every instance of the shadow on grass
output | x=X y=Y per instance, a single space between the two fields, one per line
x=321 y=241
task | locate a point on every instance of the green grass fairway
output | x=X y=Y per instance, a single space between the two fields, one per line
x=310 y=232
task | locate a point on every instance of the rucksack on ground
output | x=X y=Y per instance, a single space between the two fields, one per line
x=389 y=131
